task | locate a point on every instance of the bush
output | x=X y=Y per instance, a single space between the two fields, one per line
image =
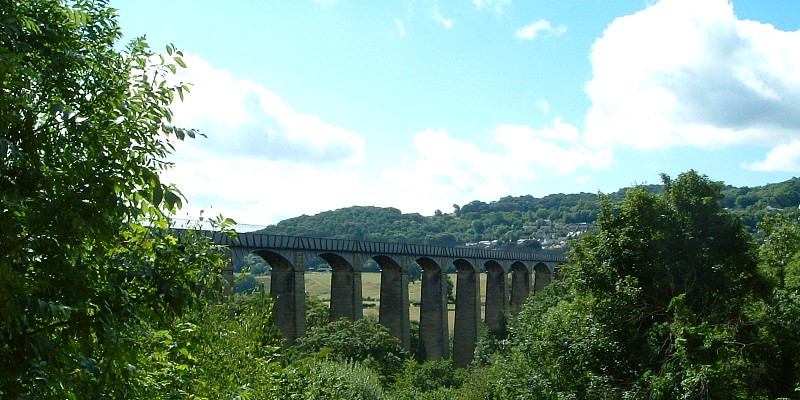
x=428 y=376
x=247 y=284
x=365 y=341
x=341 y=380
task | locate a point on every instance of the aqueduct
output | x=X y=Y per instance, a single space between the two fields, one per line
x=287 y=256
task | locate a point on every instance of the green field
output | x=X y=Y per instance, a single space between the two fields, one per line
x=319 y=284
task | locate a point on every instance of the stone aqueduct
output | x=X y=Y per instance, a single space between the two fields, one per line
x=287 y=256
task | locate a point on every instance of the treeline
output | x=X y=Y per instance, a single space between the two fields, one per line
x=511 y=218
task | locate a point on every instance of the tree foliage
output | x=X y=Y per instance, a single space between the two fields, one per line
x=658 y=304
x=87 y=268
x=364 y=341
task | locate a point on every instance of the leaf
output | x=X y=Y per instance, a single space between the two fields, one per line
x=57 y=107
x=158 y=195
x=172 y=199
x=180 y=62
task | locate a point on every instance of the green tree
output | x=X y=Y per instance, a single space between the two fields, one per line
x=779 y=317
x=327 y=379
x=654 y=305
x=87 y=268
x=427 y=377
x=318 y=313
x=247 y=284
x=365 y=341
x=225 y=351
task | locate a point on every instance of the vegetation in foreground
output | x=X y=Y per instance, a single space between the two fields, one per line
x=669 y=298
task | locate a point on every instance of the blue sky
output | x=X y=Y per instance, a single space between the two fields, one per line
x=317 y=105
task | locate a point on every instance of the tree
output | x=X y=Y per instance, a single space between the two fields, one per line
x=779 y=317
x=247 y=284
x=365 y=341
x=87 y=266
x=655 y=305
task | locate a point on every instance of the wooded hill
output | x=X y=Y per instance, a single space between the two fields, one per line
x=546 y=221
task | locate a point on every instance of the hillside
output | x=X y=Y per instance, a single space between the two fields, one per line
x=524 y=221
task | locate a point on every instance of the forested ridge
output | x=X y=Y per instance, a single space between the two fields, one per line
x=553 y=217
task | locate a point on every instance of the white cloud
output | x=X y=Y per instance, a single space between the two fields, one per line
x=531 y=31
x=258 y=191
x=543 y=106
x=401 y=29
x=263 y=161
x=784 y=157
x=325 y=3
x=512 y=153
x=690 y=73
x=445 y=22
x=494 y=5
x=245 y=119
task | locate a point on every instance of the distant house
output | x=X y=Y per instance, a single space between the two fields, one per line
x=324 y=268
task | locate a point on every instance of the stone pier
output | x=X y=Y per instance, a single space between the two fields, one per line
x=496 y=307
x=393 y=313
x=433 y=331
x=287 y=288
x=468 y=312
x=346 y=299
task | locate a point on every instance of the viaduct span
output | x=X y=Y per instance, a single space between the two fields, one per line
x=510 y=277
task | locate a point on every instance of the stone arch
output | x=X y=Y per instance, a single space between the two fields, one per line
x=542 y=277
x=520 y=285
x=287 y=289
x=496 y=298
x=468 y=311
x=345 y=288
x=393 y=312
x=433 y=331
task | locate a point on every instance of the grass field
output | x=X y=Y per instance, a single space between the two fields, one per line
x=319 y=284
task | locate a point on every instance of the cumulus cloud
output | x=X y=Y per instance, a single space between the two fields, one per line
x=784 y=157
x=247 y=120
x=264 y=161
x=494 y=5
x=690 y=73
x=259 y=191
x=532 y=31
x=512 y=153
